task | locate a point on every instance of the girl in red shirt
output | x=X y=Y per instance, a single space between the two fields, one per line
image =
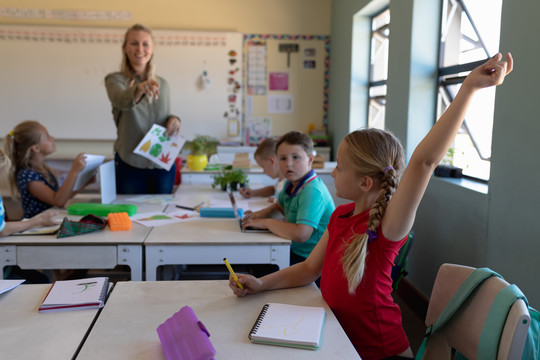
x=356 y=252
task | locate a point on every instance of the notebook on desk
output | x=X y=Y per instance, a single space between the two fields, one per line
x=289 y=325
x=241 y=218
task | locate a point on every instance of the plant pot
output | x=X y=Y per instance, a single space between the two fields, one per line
x=196 y=162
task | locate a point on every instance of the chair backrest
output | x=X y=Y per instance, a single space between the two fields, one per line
x=463 y=331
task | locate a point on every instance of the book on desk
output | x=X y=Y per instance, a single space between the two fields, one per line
x=289 y=325
x=78 y=294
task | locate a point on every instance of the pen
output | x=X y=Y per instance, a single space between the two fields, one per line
x=232 y=273
x=185 y=207
x=195 y=208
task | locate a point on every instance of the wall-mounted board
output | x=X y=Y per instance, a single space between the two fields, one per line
x=56 y=75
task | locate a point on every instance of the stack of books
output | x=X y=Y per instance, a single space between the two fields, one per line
x=242 y=161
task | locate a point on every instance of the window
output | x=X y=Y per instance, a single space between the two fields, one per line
x=470 y=32
x=378 y=71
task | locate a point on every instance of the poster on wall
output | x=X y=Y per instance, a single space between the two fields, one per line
x=258 y=129
x=278 y=81
x=256 y=68
x=280 y=104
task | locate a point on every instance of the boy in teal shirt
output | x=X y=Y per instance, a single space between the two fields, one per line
x=305 y=201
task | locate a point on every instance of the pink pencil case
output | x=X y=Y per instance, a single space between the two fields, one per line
x=184 y=337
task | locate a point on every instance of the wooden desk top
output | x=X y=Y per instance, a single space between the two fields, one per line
x=126 y=328
x=135 y=236
x=209 y=231
x=27 y=334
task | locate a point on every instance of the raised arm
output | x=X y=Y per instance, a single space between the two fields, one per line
x=401 y=210
x=59 y=198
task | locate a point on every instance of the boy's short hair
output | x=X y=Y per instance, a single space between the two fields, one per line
x=297 y=138
x=266 y=148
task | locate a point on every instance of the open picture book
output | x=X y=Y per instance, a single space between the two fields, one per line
x=79 y=294
x=289 y=325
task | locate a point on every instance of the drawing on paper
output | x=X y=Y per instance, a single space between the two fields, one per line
x=160 y=148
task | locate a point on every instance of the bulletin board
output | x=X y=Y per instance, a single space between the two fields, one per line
x=286 y=84
x=56 y=74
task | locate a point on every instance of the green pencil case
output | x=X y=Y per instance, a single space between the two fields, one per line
x=100 y=209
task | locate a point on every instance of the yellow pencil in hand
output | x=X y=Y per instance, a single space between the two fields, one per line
x=232 y=273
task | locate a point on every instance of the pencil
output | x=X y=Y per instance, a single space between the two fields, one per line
x=232 y=273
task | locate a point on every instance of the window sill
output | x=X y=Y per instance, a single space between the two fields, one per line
x=466 y=183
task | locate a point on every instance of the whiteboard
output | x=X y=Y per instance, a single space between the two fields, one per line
x=55 y=75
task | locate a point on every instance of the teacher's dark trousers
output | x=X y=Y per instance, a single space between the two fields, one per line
x=132 y=180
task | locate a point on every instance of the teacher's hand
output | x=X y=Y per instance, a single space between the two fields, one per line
x=149 y=88
x=173 y=126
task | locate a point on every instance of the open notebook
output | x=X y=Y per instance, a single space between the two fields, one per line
x=289 y=325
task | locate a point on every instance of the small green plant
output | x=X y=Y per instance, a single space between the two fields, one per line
x=202 y=145
x=229 y=176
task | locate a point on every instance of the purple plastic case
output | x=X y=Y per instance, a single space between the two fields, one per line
x=184 y=337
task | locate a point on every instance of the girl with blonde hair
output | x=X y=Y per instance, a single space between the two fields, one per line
x=356 y=253
x=30 y=178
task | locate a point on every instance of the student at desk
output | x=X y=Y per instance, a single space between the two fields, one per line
x=356 y=253
x=305 y=200
x=27 y=146
x=266 y=158
x=11 y=227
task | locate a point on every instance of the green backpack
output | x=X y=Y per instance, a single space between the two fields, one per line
x=495 y=321
x=399 y=270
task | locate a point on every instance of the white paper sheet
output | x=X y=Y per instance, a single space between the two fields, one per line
x=6 y=285
x=159 y=218
x=159 y=148
x=92 y=164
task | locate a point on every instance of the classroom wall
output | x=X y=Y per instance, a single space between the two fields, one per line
x=497 y=228
x=245 y=16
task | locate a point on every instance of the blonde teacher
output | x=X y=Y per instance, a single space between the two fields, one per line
x=139 y=99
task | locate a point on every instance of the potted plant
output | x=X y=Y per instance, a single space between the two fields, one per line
x=229 y=177
x=201 y=147
x=237 y=177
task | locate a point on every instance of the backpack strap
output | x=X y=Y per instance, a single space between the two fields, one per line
x=496 y=319
x=477 y=277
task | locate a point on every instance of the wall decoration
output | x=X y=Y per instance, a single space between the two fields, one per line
x=278 y=81
x=256 y=68
x=258 y=129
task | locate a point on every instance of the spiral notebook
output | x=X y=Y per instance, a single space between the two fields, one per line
x=79 y=294
x=289 y=325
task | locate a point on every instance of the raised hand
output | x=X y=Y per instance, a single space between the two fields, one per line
x=491 y=73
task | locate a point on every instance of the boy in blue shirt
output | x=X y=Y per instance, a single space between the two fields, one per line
x=305 y=201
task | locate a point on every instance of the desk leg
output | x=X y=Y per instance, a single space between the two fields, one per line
x=281 y=255
x=131 y=255
x=154 y=256
x=8 y=257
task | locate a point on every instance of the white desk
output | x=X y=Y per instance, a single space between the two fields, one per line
x=126 y=328
x=209 y=240
x=102 y=249
x=27 y=334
